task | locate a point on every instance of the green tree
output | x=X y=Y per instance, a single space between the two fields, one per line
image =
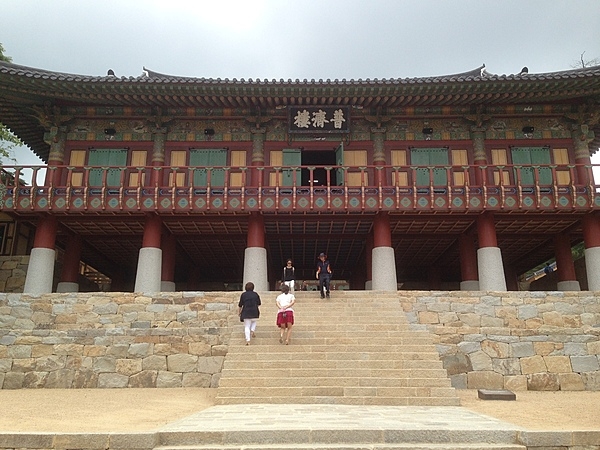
x=7 y=140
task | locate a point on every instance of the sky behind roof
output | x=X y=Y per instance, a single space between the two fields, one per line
x=309 y=39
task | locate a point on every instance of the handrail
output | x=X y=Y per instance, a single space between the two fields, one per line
x=363 y=182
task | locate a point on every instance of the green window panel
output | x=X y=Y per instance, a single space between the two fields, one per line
x=528 y=156
x=107 y=157
x=202 y=161
x=430 y=157
x=292 y=157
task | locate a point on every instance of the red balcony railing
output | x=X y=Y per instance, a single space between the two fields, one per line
x=446 y=188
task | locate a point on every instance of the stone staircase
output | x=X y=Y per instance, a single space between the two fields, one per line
x=354 y=349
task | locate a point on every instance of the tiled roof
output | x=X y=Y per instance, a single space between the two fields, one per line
x=21 y=87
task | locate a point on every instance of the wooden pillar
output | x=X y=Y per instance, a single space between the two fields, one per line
x=591 y=238
x=169 y=247
x=565 y=267
x=378 y=137
x=383 y=264
x=69 y=277
x=255 y=256
x=258 y=158
x=159 y=136
x=468 y=263
x=56 y=138
x=148 y=275
x=40 y=272
x=489 y=258
x=479 y=154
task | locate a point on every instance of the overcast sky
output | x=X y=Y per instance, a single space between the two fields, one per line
x=301 y=39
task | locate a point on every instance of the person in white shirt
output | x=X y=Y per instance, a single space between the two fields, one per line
x=285 y=313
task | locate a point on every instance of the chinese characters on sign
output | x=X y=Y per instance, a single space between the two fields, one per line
x=319 y=119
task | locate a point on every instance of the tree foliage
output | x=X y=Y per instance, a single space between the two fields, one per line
x=7 y=139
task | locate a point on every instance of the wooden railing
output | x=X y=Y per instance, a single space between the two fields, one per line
x=298 y=188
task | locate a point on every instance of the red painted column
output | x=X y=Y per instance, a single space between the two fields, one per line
x=486 y=230
x=383 y=263
x=72 y=258
x=369 y=256
x=148 y=274
x=256 y=230
x=255 y=256
x=45 y=233
x=152 y=231
x=591 y=230
x=468 y=258
x=565 y=268
x=382 y=234
x=40 y=271
x=591 y=237
x=169 y=246
x=490 y=266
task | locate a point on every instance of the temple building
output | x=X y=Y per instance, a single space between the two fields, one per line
x=165 y=183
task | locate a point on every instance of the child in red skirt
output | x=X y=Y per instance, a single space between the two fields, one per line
x=285 y=313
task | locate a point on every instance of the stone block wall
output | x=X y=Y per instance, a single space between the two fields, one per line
x=513 y=340
x=112 y=340
x=13 y=270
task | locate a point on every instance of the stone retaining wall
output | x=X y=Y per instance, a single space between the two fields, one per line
x=13 y=270
x=513 y=340
x=110 y=340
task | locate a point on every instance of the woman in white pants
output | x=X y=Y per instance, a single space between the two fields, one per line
x=248 y=310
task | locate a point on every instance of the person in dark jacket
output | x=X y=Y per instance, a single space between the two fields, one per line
x=248 y=310
x=323 y=275
x=289 y=275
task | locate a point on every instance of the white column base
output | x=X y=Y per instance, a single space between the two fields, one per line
x=149 y=268
x=490 y=269
x=469 y=285
x=384 y=269
x=40 y=272
x=369 y=285
x=255 y=268
x=568 y=286
x=167 y=286
x=592 y=268
x=67 y=286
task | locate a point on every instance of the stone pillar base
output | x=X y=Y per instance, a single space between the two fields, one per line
x=469 y=285
x=369 y=285
x=592 y=268
x=167 y=286
x=67 y=286
x=40 y=272
x=255 y=268
x=568 y=286
x=491 y=270
x=384 y=269
x=147 y=278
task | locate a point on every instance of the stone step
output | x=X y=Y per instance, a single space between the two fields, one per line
x=307 y=338
x=335 y=348
x=332 y=368
x=407 y=446
x=336 y=391
x=346 y=351
x=427 y=400
x=296 y=381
